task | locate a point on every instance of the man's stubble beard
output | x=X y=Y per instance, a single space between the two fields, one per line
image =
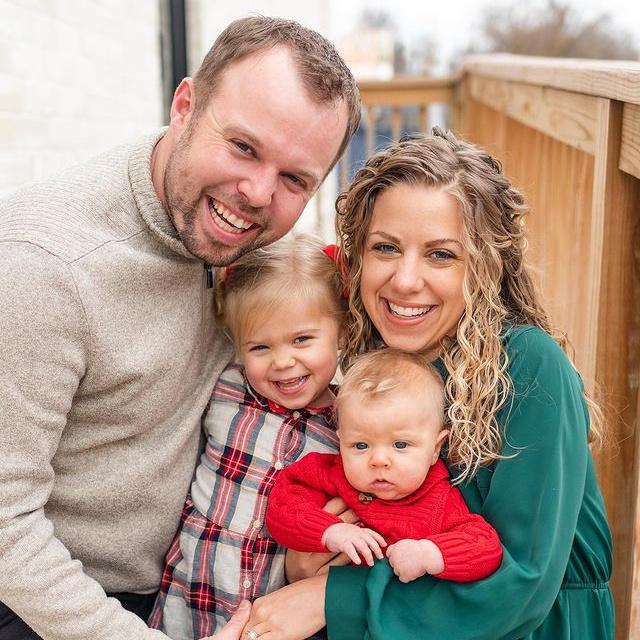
x=183 y=215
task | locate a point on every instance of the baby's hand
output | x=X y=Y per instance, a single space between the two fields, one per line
x=411 y=559
x=354 y=541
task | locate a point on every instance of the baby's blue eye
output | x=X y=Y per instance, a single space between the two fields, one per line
x=361 y=446
x=400 y=444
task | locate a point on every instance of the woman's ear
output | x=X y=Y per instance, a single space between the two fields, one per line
x=442 y=437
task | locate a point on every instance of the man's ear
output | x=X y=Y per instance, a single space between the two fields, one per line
x=182 y=105
x=442 y=436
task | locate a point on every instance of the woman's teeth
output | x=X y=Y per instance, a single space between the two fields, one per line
x=226 y=220
x=407 y=312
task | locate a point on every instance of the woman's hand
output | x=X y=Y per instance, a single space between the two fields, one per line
x=294 y=612
x=233 y=629
x=301 y=564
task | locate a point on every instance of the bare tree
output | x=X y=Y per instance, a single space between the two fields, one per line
x=418 y=59
x=553 y=30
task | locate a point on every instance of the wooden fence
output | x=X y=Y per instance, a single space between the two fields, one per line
x=568 y=135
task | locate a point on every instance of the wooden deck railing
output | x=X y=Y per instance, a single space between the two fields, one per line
x=568 y=135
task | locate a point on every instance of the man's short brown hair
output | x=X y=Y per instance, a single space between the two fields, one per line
x=321 y=68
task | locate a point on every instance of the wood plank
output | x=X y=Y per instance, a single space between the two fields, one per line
x=568 y=117
x=387 y=96
x=370 y=130
x=616 y=218
x=616 y=79
x=630 y=147
x=634 y=617
x=396 y=123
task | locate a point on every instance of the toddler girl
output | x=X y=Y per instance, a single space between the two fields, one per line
x=390 y=474
x=283 y=308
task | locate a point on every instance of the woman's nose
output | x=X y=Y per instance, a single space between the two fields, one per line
x=408 y=276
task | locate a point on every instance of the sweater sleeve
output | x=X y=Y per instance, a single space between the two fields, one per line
x=533 y=499
x=43 y=355
x=295 y=515
x=470 y=546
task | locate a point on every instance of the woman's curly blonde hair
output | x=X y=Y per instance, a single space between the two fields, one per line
x=498 y=286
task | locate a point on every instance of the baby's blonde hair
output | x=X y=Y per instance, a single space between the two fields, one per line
x=293 y=268
x=378 y=374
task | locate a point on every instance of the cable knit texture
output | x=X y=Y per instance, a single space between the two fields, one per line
x=436 y=511
x=109 y=354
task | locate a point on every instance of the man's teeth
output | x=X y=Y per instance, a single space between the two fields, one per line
x=407 y=312
x=234 y=224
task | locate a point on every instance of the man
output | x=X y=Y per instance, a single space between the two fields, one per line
x=109 y=349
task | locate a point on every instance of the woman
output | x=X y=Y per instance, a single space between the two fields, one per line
x=434 y=237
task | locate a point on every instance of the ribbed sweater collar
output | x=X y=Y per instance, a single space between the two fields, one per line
x=149 y=205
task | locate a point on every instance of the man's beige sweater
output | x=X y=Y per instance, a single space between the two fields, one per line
x=108 y=353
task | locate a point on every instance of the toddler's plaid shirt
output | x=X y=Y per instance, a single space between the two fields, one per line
x=222 y=552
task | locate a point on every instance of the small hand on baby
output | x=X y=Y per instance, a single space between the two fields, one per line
x=354 y=541
x=411 y=559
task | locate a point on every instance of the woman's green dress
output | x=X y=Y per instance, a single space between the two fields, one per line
x=545 y=504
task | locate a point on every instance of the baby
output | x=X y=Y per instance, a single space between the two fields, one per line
x=389 y=473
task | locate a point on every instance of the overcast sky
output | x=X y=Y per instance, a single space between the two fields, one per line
x=452 y=23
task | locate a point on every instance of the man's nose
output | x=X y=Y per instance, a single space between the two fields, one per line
x=258 y=186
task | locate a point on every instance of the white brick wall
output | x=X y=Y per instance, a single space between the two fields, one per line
x=76 y=77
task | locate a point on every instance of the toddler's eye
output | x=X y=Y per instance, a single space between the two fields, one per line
x=258 y=347
x=301 y=339
x=361 y=446
x=400 y=444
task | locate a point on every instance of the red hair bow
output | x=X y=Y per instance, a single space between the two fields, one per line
x=337 y=255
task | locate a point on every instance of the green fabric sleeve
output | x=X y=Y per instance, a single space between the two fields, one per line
x=532 y=499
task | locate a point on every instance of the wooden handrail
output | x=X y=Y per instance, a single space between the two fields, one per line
x=614 y=79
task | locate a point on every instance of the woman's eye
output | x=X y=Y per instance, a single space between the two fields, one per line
x=400 y=444
x=361 y=446
x=384 y=247
x=441 y=255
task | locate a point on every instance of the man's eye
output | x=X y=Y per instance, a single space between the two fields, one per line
x=361 y=446
x=245 y=148
x=295 y=180
x=400 y=444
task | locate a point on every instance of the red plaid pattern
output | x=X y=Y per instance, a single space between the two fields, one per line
x=222 y=552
